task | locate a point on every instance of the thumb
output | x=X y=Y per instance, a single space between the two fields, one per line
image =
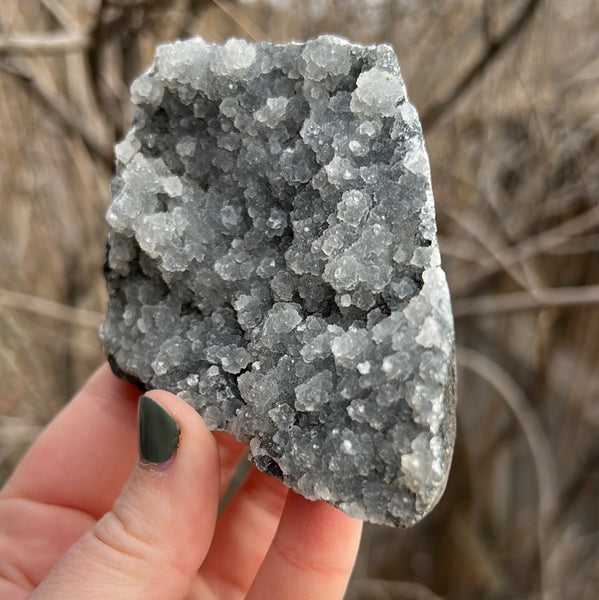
x=152 y=542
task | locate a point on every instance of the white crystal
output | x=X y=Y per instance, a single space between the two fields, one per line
x=315 y=393
x=377 y=92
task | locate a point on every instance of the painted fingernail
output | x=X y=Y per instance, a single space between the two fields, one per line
x=158 y=432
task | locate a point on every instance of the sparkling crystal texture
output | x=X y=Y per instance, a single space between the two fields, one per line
x=272 y=259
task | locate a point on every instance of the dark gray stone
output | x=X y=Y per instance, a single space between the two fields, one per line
x=273 y=260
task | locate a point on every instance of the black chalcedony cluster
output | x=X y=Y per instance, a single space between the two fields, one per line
x=273 y=260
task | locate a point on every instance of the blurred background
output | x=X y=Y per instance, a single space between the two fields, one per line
x=508 y=92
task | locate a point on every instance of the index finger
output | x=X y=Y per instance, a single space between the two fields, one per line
x=83 y=458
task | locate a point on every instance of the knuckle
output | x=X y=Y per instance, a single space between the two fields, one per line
x=127 y=542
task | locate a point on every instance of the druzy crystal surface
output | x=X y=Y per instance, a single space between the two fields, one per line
x=273 y=261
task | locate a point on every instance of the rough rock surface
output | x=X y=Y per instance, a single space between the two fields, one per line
x=273 y=260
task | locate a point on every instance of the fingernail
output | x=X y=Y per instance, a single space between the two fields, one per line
x=158 y=432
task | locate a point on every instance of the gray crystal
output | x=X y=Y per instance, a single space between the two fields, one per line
x=273 y=260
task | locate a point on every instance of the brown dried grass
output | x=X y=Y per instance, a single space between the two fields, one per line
x=515 y=158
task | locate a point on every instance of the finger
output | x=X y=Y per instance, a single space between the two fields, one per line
x=312 y=553
x=152 y=542
x=83 y=458
x=243 y=535
x=34 y=536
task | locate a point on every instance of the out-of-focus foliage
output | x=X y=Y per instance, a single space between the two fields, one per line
x=508 y=92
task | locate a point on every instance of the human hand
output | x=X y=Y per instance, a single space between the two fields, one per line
x=83 y=516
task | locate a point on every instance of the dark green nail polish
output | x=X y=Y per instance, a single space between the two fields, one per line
x=158 y=432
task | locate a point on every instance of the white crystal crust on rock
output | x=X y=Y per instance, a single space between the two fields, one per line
x=273 y=260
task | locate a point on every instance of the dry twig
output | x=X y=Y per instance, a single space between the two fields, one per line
x=241 y=20
x=561 y=297
x=534 y=432
x=61 y=14
x=495 y=46
x=68 y=117
x=46 y=44
x=480 y=231
x=49 y=308
x=506 y=258
x=549 y=239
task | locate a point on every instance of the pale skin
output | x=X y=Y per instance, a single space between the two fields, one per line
x=83 y=517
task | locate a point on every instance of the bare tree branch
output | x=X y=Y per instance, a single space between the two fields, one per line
x=495 y=47
x=46 y=44
x=50 y=308
x=535 y=434
x=241 y=20
x=552 y=237
x=61 y=108
x=61 y=14
x=480 y=231
x=561 y=297
x=508 y=256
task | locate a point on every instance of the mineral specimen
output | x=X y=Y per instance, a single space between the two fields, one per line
x=273 y=260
